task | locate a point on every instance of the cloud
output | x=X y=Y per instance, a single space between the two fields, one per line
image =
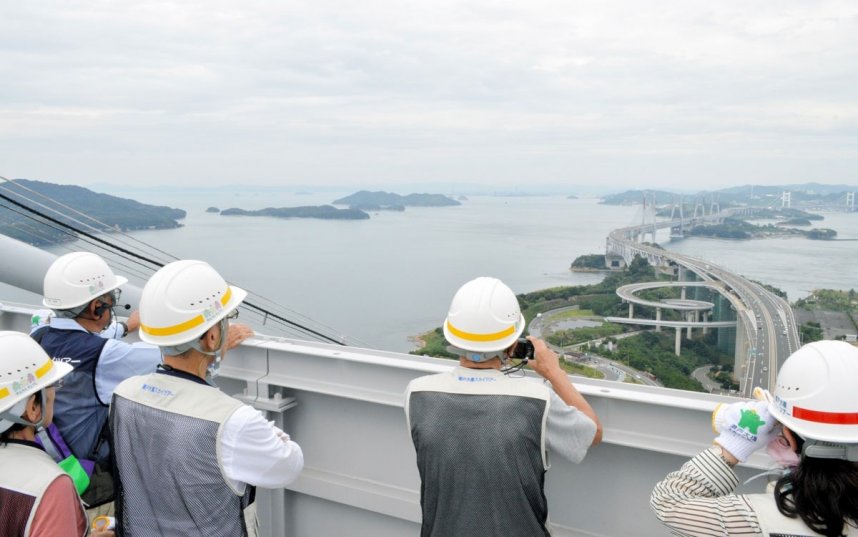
x=389 y=90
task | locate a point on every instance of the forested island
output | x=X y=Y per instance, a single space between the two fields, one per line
x=113 y=213
x=735 y=228
x=324 y=212
x=376 y=201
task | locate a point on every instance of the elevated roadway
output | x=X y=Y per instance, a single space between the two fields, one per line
x=766 y=332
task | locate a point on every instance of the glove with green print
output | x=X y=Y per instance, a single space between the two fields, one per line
x=743 y=427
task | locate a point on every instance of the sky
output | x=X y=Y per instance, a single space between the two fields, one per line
x=565 y=94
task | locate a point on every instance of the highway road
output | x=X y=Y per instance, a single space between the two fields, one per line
x=767 y=332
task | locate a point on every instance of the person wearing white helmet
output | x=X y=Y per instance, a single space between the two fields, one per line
x=810 y=429
x=186 y=455
x=36 y=496
x=482 y=438
x=82 y=291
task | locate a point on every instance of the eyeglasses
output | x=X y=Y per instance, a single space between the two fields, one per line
x=233 y=315
x=58 y=384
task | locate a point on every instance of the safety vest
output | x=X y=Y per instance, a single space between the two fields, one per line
x=775 y=524
x=480 y=442
x=79 y=414
x=26 y=472
x=165 y=429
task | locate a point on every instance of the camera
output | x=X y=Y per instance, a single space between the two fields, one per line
x=523 y=350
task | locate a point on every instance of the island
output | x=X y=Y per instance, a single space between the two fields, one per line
x=375 y=201
x=108 y=213
x=212 y=210
x=324 y=212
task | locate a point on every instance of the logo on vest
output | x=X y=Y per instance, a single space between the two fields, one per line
x=156 y=390
x=462 y=378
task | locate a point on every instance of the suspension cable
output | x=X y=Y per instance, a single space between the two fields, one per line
x=101 y=243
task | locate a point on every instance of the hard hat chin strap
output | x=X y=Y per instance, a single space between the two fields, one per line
x=817 y=449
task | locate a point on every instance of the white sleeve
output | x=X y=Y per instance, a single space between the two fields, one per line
x=120 y=361
x=570 y=431
x=256 y=452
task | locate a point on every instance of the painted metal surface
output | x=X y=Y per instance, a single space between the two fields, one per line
x=344 y=406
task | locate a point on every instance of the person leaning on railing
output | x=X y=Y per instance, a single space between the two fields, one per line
x=809 y=427
x=186 y=455
x=83 y=291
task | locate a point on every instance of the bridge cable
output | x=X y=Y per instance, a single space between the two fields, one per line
x=159 y=264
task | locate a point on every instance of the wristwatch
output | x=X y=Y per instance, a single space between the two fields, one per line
x=124 y=328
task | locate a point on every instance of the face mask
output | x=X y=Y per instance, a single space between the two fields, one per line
x=779 y=449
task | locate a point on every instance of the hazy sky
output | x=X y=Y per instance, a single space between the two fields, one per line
x=609 y=93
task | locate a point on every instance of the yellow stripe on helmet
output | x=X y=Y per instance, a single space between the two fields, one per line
x=480 y=337
x=42 y=371
x=185 y=326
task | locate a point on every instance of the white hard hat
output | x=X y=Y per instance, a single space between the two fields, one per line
x=25 y=368
x=183 y=300
x=816 y=394
x=77 y=278
x=484 y=317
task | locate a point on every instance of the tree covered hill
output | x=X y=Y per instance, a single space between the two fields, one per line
x=113 y=212
x=324 y=212
x=372 y=201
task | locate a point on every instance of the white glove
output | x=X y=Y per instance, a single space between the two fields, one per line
x=743 y=427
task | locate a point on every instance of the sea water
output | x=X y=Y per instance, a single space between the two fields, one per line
x=382 y=280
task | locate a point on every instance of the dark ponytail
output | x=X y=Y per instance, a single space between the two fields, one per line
x=823 y=492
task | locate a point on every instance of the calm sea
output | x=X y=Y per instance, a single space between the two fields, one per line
x=382 y=280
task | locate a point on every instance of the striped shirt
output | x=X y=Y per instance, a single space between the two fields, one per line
x=698 y=500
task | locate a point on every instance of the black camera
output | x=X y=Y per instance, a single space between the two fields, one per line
x=523 y=349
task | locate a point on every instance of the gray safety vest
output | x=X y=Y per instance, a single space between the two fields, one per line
x=166 y=432
x=480 y=441
x=26 y=472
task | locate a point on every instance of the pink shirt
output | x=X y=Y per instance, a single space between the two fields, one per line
x=59 y=513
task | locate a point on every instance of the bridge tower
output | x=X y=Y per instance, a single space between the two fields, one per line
x=786 y=199
x=714 y=207
x=649 y=214
x=677 y=227
x=850 y=201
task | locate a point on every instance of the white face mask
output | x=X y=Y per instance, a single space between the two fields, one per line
x=780 y=451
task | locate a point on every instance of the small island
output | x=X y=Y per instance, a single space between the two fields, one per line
x=324 y=212
x=388 y=201
x=212 y=210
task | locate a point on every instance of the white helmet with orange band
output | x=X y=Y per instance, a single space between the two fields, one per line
x=817 y=398
x=484 y=318
x=25 y=369
x=182 y=301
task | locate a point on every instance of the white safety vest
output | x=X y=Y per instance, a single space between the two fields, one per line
x=26 y=472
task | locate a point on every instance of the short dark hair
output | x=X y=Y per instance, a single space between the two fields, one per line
x=7 y=434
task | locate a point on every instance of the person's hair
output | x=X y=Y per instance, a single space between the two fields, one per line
x=7 y=434
x=823 y=492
